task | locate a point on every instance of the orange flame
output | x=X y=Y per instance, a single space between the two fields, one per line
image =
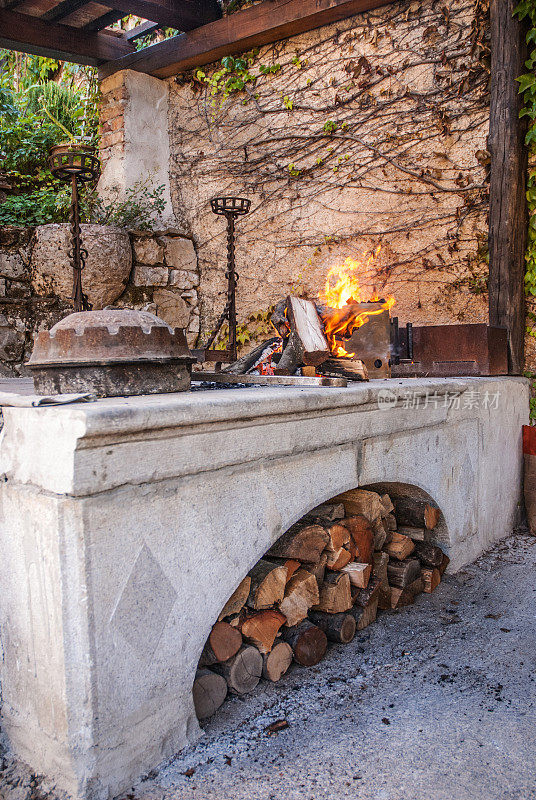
x=343 y=292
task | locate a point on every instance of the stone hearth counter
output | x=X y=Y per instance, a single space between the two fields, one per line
x=126 y=524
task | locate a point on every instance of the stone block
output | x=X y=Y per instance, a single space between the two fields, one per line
x=12 y=265
x=107 y=267
x=171 y=308
x=183 y=279
x=180 y=253
x=11 y=343
x=150 y=276
x=190 y=297
x=148 y=251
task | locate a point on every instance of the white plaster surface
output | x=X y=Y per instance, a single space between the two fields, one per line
x=146 y=145
x=125 y=525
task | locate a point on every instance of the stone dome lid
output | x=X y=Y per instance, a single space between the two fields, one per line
x=108 y=337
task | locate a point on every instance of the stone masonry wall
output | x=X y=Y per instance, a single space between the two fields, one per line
x=369 y=132
x=163 y=280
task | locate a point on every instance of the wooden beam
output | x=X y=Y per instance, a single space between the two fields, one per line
x=62 y=10
x=183 y=15
x=102 y=22
x=266 y=22
x=141 y=30
x=33 y=35
x=507 y=206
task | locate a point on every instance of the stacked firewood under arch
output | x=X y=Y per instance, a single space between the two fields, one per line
x=322 y=581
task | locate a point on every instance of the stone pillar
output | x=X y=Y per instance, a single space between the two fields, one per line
x=134 y=135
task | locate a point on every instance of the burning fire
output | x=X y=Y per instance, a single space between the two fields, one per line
x=343 y=293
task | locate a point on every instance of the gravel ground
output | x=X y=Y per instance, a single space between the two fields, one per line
x=435 y=702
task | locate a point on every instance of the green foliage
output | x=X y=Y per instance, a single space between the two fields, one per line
x=526 y=10
x=234 y=75
x=330 y=126
x=51 y=203
x=47 y=204
x=257 y=326
x=41 y=101
x=138 y=209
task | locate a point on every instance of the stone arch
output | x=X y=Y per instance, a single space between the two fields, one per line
x=393 y=488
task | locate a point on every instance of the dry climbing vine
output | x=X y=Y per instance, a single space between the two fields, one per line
x=368 y=132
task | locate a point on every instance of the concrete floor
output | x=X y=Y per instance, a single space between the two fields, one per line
x=435 y=702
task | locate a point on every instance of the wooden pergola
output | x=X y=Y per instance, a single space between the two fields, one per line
x=77 y=30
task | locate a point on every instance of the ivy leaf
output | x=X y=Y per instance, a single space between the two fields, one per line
x=526 y=82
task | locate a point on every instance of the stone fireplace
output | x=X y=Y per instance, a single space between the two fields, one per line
x=127 y=523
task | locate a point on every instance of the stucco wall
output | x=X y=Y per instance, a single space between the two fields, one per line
x=405 y=167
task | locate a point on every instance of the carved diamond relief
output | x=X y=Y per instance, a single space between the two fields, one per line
x=144 y=606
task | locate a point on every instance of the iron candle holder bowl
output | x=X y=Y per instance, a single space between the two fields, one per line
x=66 y=160
x=237 y=206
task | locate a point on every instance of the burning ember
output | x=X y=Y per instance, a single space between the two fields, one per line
x=342 y=294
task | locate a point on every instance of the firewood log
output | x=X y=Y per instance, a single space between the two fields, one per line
x=336 y=561
x=262 y=627
x=359 y=574
x=406 y=596
x=431 y=579
x=319 y=570
x=291 y=564
x=308 y=643
x=337 y=627
x=387 y=504
x=245 y=363
x=339 y=535
x=335 y=594
x=428 y=554
x=363 y=537
x=279 y=319
x=301 y=542
x=444 y=564
x=209 y=691
x=292 y=356
x=304 y=321
x=277 y=662
x=417 y=534
x=223 y=642
x=267 y=585
x=415 y=512
x=364 y=616
x=380 y=533
x=390 y=522
x=402 y=573
x=379 y=570
x=364 y=597
x=301 y=594
x=379 y=567
x=325 y=514
x=400 y=546
x=361 y=502
x=237 y=600
x=352 y=368
x=243 y=671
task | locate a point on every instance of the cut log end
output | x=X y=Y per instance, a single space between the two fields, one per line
x=209 y=691
x=277 y=662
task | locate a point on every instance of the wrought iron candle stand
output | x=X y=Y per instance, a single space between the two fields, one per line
x=231 y=208
x=75 y=163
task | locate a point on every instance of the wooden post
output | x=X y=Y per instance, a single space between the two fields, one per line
x=507 y=207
